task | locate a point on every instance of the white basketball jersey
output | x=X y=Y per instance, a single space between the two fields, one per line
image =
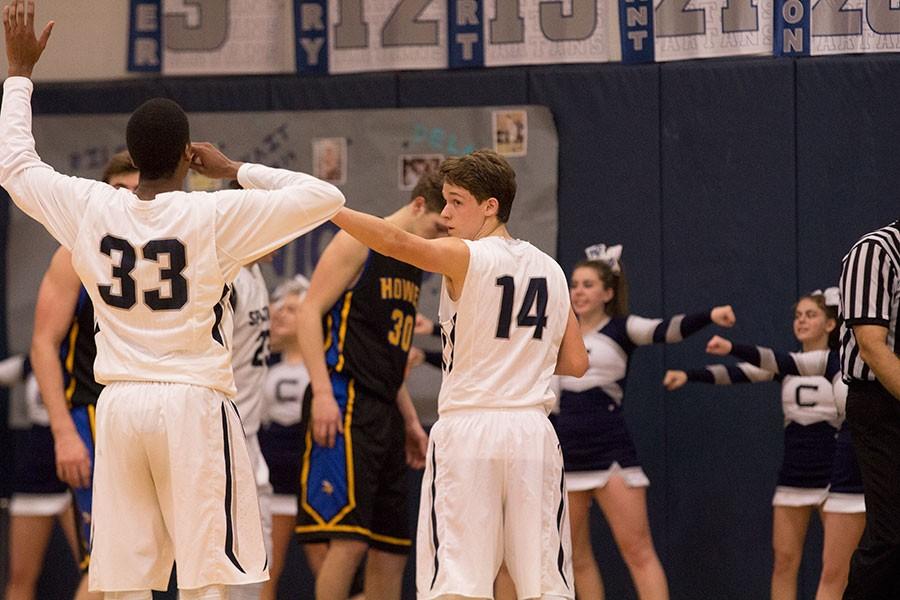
x=158 y=272
x=501 y=337
x=250 y=300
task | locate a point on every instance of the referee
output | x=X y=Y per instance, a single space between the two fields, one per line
x=870 y=295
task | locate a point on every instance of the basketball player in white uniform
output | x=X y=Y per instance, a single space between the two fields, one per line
x=172 y=478
x=493 y=489
x=250 y=302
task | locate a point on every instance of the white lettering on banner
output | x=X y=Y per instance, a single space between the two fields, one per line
x=709 y=28
x=312 y=17
x=146 y=18
x=840 y=26
x=146 y=52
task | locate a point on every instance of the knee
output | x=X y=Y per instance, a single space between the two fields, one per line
x=639 y=553
x=785 y=561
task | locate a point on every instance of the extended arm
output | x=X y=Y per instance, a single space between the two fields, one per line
x=336 y=271
x=644 y=331
x=717 y=374
x=448 y=256
x=780 y=363
x=55 y=309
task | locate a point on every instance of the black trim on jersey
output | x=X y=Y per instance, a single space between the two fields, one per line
x=451 y=340
x=560 y=559
x=434 y=533
x=229 y=527
x=219 y=311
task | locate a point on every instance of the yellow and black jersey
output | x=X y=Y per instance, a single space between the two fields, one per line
x=78 y=352
x=370 y=328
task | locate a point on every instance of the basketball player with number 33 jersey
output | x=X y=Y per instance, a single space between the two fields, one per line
x=493 y=489
x=172 y=476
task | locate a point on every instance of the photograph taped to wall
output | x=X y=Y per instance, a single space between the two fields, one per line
x=510 y=132
x=330 y=159
x=413 y=166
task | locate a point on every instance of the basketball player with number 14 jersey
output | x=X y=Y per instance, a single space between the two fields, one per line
x=493 y=489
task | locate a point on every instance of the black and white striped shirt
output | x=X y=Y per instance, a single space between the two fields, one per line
x=870 y=295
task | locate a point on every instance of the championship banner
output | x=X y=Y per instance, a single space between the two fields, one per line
x=836 y=27
x=374 y=156
x=210 y=37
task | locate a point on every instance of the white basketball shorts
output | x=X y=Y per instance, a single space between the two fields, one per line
x=172 y=481
x=493 y=491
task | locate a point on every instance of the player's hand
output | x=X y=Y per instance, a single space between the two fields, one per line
x=719 y=346
x=73 y=462
x=209 y=161
x=416 y=445
x=415 y=358
x=424 y=325
x=723 y=316
x=674 y=380
x=23 y=48
x=325 y=419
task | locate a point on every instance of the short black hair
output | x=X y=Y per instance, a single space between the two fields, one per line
x=156 y=135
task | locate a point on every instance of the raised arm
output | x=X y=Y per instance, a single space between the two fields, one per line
x=447 y=256
x=56 y=201
x=54 y=311
x=642 y=331
x=340 y=265
x=275 y=206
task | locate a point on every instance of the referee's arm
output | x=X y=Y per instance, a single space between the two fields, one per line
x=867 y=281
x=873 y=349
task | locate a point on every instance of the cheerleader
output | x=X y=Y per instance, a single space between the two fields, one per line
x=601 y=463
x=819 y=470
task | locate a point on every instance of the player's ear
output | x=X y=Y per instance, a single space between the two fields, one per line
x=491 y=207
x=188 y=154
x=418 y=205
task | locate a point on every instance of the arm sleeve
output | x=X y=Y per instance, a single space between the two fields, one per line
x=643 y=331
x=275 y=207
x=730 y=374
x=783 y=363
x=54 y=200
x=867 y=279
